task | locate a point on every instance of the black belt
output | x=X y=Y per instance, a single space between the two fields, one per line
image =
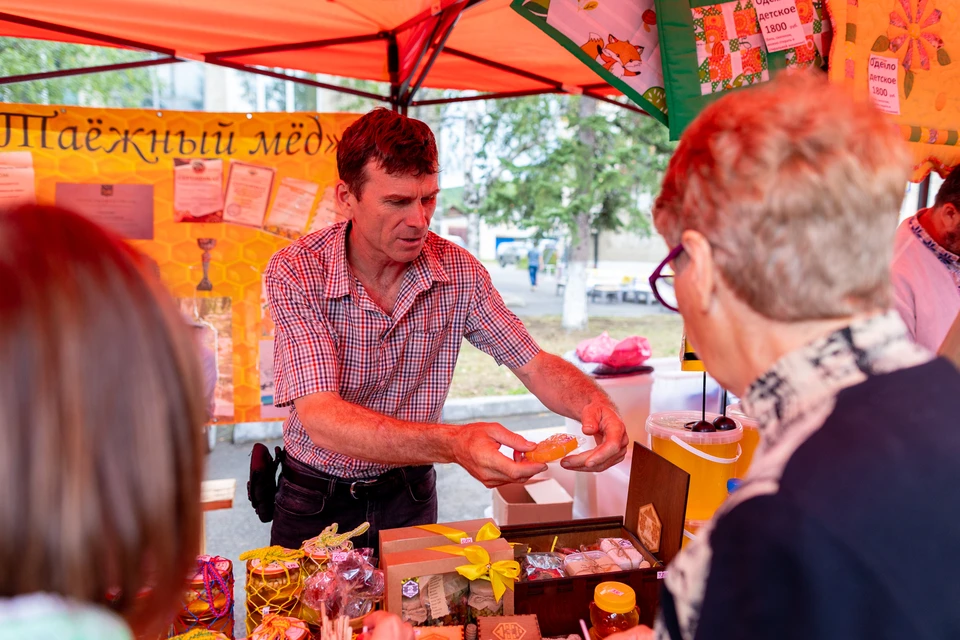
x=387 y=483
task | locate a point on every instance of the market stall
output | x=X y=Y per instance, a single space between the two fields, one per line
x=210 y=197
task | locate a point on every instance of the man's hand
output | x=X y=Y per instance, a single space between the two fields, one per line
x=386 y=626
x=477 y=449
x=600 y=420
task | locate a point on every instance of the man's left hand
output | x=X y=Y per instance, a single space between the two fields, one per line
x=600 y=420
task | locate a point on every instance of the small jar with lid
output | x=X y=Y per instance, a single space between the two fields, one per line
x=614 y=609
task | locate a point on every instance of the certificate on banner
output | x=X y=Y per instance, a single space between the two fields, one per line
x=292 y=205
x=127 y=209
x=268 y=384
x=248 y=193
x=198 y=189
x=17 y=184
x=327 y=212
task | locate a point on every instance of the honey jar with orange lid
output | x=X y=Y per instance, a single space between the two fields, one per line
x=614 y=609
x=209 y=591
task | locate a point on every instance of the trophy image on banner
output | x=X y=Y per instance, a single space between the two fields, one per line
x=206 y=244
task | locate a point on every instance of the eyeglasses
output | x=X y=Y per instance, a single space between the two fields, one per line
x=662 y=283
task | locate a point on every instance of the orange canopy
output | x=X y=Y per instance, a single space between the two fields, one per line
x=449 y=44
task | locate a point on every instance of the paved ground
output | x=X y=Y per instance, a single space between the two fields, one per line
x=514 y=286
x=233 y=531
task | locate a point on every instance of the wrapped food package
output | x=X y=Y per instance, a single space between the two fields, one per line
x=589 y=562
x=623 y=553
x=542 y=566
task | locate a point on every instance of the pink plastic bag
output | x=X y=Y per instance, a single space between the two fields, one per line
x=596 y=349
x=630 y=352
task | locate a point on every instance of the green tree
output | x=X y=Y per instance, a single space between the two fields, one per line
x=560 y=163
x=126 y=88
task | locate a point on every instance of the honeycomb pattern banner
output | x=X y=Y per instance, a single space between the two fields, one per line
x=136 y=146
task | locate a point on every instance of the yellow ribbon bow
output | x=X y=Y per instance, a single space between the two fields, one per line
x=501 y=574
x=489 y=531
x=275 y=627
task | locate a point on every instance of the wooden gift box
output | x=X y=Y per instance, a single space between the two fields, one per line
x=561 y=603
x=401 y=566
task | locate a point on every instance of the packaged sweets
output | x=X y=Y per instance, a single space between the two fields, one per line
x=623 y=553
x=350 y=586
x=436 y=600
x=588 y=562
x=541 y=566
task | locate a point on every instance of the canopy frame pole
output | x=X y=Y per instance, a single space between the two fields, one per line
x=438 y=42
x=402 y=89
x=79 y=71
x=307 y=81
x=485 y=96
x=504 y=67
x=295 y=46
x=88 y=35
x=603 y=98
x=169 y=55
x=923 y=193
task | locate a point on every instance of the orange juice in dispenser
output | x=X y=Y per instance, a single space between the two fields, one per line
x=710 y=457
x=751 y=438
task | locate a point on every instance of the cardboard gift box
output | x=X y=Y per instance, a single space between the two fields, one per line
x=403 y=567
x=653 y=523
x=423 y=537
x=536 y=501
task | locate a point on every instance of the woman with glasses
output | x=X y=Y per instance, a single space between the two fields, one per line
x=780 y=206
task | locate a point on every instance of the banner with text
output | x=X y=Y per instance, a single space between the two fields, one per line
x=209 y=196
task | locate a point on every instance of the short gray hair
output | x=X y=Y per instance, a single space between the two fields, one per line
x=797 y=187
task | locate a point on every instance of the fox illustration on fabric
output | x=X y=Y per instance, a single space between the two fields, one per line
x=619 y=57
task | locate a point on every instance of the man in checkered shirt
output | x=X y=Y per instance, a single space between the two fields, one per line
x=370 y=315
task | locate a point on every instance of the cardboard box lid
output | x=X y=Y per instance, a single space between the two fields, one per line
x=656 y=502
x=548 y=492
x=410 y=538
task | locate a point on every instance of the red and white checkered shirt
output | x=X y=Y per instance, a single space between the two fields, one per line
x=331 y=336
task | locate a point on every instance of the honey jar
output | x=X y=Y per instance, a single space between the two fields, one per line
x=273 y=588
x=614 y=609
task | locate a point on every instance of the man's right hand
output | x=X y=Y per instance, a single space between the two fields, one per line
x=477 y=449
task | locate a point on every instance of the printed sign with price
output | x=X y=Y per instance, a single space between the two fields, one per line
x=780 y=24
x=884 y=83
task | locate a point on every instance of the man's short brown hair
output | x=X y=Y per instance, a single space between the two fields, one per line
x=797 y=187
x=398 y=145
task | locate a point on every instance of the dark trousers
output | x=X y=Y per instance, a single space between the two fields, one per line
x=302 y=513
x=533 y=275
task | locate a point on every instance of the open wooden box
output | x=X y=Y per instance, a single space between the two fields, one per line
x=656 y=485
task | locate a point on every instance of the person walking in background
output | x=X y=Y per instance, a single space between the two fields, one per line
x=926 y=267
x=533 y=261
